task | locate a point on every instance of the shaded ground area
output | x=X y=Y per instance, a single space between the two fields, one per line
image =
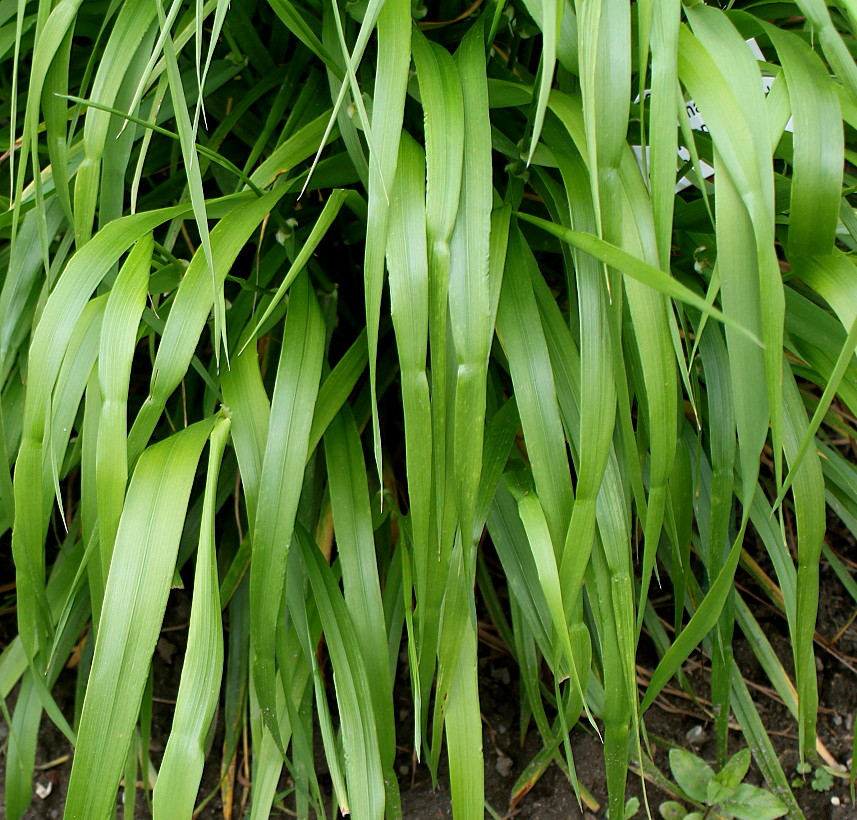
x=674 y=719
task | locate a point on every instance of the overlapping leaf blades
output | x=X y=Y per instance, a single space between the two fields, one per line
x=652 y=349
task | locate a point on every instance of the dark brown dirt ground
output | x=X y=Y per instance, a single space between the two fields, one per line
x=669 y=720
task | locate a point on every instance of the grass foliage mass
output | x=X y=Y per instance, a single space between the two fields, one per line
x=361 y=319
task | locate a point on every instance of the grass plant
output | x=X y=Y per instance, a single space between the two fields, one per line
x=366 y=320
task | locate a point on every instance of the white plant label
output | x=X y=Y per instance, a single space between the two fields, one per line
x=697 y=123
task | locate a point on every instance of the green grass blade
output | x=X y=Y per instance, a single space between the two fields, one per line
x=359 y=740
x=244 y=394
x=605 y=66
x=662 y=141
x=443 y=110
x=187 y=137
x=118 y=339
x=129 y=29
x=352 y=519
x=728 y=91
x=808 y=493
x=367 y=25
x=818 y=147
x=551 y=22
x=56 y=82
x=700 y=624
x=469 y=295
x=637 y=269
x=336 y=388
x=407 y=264
x=293 y=151
x=140 y=573
x=295 y=392
x=322 y=225
x=184 y=756
x=830 y=277
x=464 y=734
x=834 y=46
x=651 y=330
x=25 y=265
x=763 y=749
x=519 y=330
x=394 y=41
x=191 y=307
x=295 y=21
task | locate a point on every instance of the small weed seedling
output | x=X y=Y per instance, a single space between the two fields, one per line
x=822 y=779
x=724 y=795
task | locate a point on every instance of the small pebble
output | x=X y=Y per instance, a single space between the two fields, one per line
x=837 y=720
x=819 y=665
x=835 y=801
x=696 y=736
x=403 y=770
x=504 y=765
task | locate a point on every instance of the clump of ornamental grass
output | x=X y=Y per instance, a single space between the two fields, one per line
x=309 y=306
